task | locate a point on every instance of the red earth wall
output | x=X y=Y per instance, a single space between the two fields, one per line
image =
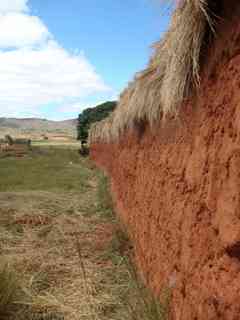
x=177 y=188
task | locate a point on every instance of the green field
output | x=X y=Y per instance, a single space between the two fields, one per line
x=63 y=254
x=62 y=144
x=45 y=169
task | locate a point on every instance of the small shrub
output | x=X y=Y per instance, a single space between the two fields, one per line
x=142 y=304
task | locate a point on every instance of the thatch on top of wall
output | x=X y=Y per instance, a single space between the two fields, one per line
x=172 y=74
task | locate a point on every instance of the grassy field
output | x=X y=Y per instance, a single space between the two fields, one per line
x=63 y=254
x=45 y=169
x=62 y=144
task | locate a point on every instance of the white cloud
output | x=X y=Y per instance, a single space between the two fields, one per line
x=19 y=30
x=73 y=108
x=35 y=71
x=17 y=112
x=7 y=6
x=36 y=77
x=79 y=106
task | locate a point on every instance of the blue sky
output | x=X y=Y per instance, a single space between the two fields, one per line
x=68 y=55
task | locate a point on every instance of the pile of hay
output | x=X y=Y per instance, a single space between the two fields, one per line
x=171 y=76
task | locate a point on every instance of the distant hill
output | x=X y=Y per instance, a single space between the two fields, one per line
x=35 y=127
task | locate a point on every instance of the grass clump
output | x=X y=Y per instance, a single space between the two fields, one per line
x=141 y=303
x=104 y=199
x=131 y=299
x=10 y=292
x=136 y=301
x=23 y=301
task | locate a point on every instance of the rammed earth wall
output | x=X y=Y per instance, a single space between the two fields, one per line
x=177 y=188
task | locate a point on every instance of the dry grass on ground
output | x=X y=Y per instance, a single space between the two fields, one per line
x=62 y=252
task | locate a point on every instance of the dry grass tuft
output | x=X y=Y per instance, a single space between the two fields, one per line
x=172 y=74
x=9 y=290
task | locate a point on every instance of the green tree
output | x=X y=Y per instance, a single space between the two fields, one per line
x=91 y=115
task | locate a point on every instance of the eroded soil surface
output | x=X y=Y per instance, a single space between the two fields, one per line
x=177 y=187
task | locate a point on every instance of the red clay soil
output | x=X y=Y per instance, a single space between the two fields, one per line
x=177 y=188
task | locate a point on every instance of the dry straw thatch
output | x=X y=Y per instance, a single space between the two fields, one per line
x=172 y=74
